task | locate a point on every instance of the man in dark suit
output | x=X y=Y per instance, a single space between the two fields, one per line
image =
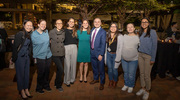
x=98 y=44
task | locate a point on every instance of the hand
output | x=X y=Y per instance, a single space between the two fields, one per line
x=99 y=57
x=11 y=62
x=35 y=61
x=151 y=62
x=12 y=41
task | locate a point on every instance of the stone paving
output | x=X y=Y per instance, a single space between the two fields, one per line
x=162 y=89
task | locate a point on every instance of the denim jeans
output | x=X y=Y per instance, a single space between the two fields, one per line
x=129 y=68
x=112 y=72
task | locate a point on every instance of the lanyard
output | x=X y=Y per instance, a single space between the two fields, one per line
x=110 y=42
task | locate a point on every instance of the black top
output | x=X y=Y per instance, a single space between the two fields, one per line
x=113 y=46
x=169 y=32
x=68 y=37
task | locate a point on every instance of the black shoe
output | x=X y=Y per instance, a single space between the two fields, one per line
x=85 y=81
x=48 y=89
x=40 y=91
x=29 y=96
x=71 y=82
x=68 y=85
x=80 y=81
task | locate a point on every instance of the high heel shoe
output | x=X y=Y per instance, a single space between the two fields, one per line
x=80 y=81
x=29 y=96
x=24 y=98
x=85 y=81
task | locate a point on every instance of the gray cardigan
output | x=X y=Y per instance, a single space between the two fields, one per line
x=118 y=50
x=57 y=42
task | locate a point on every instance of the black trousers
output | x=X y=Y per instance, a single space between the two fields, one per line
x=58 y=60
x=43 y=66
x=2 y=60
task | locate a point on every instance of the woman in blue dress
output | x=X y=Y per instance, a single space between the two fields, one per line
x=84 y=49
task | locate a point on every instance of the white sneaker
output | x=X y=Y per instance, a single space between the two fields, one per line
x=145 y=96
x=124 y=88
x=178 y=78
x=130 y=89
x=140 y=92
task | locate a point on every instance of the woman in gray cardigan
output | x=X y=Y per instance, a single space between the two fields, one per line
x=57 y=36
x=128 y=54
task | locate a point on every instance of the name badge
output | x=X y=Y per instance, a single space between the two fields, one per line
x=109 y=49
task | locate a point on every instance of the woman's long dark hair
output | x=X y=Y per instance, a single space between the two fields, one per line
x=108 y=36
x=24 y=31
x=88 y=28
x=74 y=34
x=142 y=30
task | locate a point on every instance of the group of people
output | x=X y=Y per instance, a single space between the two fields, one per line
x=94 y=45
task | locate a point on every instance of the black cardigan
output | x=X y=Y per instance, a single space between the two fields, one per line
x=20 y=38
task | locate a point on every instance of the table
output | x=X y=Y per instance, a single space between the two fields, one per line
x=167 y=58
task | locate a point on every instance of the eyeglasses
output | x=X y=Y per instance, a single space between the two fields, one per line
x=113 y=26
x=58 y=23
x=144 y=22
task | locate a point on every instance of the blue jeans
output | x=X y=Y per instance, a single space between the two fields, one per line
x=112 y=72
x=129 y=68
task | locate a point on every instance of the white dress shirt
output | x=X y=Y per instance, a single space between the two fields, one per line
x=95 y=34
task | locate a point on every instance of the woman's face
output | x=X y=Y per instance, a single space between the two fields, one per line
x=113 y=28
x=144 y=23
x=71 y=23
x=85 y=24
x=42 y=25
x=28 y=26
x=59 y=24
x=130 y=28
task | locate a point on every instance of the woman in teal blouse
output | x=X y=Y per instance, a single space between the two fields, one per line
x=84 y=49
x=42 y=53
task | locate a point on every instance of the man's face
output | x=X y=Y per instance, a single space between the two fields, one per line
x=97 y=22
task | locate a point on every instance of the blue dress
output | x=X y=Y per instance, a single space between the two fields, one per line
x=83 y=46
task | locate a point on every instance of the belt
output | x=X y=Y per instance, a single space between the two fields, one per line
x=112 y=52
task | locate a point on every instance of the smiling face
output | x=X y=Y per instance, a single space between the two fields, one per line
x=144 y=23
x=130 y=28
x=42 y=25
x=28 y=26
x=59 y=24
x=97 y=22
x=71 y=23
x=85 y=24
x=113 y=28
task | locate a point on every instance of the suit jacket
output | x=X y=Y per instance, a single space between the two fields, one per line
x=99 y=43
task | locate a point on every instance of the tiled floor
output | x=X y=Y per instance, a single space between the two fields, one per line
x=162 y=89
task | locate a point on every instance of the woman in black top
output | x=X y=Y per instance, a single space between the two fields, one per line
x=111 y=54
x=70 y=53
x=21 y=58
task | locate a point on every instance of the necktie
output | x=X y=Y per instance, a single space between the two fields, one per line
x=92 y=42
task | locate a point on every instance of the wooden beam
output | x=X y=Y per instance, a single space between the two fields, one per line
x=17 y=10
